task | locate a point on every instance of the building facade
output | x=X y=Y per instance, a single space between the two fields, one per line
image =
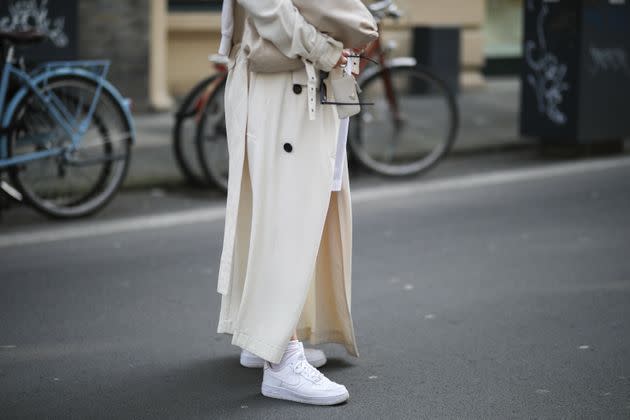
x=160 y=48
x=192 y=32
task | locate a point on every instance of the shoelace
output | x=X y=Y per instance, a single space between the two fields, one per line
x=303 y=367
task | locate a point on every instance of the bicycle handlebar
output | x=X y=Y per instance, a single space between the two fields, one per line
x=385 y=8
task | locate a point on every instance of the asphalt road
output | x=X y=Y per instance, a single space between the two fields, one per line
x=503 y=295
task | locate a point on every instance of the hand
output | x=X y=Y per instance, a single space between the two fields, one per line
x=361 y=50
x=343 y=60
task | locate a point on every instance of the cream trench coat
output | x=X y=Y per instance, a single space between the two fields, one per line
x=286 y=259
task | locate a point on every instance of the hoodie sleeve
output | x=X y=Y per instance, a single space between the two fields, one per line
x=279 y=22
x=227 y=27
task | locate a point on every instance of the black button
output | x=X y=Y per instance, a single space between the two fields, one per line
x=297 y=89
x=288 y=148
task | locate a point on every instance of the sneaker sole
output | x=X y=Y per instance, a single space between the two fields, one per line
x=257 y=363
x=286 y=394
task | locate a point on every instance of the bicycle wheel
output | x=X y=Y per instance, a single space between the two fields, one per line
x=411 y=126
x=79 y=180
x=184 y=134
x=212 y=140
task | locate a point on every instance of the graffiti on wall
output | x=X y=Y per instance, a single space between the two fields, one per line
x=608 y=60
x=547 y=75
x=33 y=15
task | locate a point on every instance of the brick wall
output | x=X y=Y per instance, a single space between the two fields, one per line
x=118 y=30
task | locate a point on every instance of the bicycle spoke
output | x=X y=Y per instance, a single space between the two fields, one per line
x=409 y=127
x=212 y=141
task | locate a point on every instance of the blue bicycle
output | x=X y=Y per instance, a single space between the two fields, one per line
x=65 y=132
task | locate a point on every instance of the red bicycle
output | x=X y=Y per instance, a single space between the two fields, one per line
x=203 y=102
x=414 y=120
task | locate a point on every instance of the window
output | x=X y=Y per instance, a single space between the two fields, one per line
x=194 y=5
x=504 y=28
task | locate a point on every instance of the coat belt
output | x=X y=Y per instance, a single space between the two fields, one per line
x=311 y=85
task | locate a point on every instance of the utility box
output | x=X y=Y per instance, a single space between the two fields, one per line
x=56 y=18
x=438 y=48
x=575 y=81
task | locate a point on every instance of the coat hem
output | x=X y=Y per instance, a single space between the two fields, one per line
x=261 y=349
x=324 y=337
x=266 y=351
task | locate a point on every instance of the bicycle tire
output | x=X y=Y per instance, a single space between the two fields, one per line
x=211 y=140
x=93 y=197
x=408 y=164
x=187 y=110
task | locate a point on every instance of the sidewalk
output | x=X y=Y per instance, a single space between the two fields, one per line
x=488 y=122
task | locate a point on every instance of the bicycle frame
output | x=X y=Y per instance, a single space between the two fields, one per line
x=222 y=72
x=69 y=123
x=375 y=49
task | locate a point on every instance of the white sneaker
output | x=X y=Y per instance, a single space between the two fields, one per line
x=296 y=380
x=315 y=357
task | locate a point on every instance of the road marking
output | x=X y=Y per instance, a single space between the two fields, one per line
x=360 y=196
x=482 y=180
x=89 y=229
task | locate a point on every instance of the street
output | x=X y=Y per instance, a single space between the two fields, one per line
x=502 y=293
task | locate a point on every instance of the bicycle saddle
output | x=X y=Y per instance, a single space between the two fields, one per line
x=24 y=37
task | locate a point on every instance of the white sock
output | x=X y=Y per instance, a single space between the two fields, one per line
x=293 y=347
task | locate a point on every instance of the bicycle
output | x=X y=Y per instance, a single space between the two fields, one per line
x=411 y=126
x=187 y=118
x=414 y=120
x=211 y=136
x=65 y=132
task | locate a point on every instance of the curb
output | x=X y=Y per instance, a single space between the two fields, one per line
x=139 y=183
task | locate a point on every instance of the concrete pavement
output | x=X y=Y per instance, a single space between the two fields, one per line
x=499 y=297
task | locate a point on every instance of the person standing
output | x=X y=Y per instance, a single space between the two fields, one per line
x=285 y=268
